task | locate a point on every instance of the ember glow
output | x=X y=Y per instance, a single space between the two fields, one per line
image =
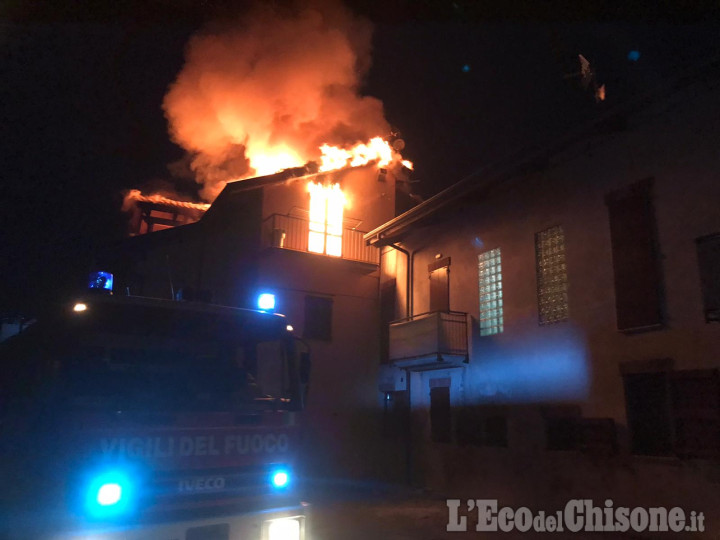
x=326 y=219
x=136 y=195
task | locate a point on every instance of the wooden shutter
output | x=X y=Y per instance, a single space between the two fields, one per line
x=638 y=291
x=440 y=285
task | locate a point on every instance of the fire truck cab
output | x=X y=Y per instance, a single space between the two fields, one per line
x=126 y=417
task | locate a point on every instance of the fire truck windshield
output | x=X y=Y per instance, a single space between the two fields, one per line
x=164 y=356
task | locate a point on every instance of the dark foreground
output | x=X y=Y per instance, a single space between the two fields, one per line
x=352 y=513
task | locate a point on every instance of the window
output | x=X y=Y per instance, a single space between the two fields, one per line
x=551 y=276
x=318 y=318
x=491 y=294
x=674 y=412
x=708 y=251
x=482 y=426
x=648 y=414
x=636 y=265
x=326 y=219
x=695 y=401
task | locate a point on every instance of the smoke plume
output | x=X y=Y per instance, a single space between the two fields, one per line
x=265 y=93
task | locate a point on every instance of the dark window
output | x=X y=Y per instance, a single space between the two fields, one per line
x=636 y=267
x=647 y=402
x=495 y=431
x=440 y=415
x=318 y=318
x=481 y=426
x=561 y=433
x=696 y=412
x=597 y=436
x=708 y=250
x=674 y=412
x=440 y=285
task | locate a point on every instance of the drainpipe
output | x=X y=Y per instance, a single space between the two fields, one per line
x=409 y=257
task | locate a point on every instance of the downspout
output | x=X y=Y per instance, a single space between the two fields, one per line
x=408 y=314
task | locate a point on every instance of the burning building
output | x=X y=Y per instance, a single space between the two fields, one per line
x=297 y=235
x=294 y=168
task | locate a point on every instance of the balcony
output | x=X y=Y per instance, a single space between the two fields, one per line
x=289 y=232
x=434 y=340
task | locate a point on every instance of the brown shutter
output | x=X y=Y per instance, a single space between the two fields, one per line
x=440 y=285
x=638 y=300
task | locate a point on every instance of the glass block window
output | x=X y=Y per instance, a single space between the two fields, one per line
x=491 y=294
x=551 y=275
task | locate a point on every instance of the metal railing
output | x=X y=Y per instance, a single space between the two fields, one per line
x=426 y=334
x=288 y=232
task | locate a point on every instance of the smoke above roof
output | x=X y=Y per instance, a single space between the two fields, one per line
x=265 y=92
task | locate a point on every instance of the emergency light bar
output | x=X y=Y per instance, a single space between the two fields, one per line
x=266 y=302
x=101 y=281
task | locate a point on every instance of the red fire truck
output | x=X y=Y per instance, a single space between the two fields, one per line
x=127 y=417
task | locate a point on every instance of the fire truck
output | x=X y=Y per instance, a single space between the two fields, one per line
x=128 y=417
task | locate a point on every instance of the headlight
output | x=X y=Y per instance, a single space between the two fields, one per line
x=283 y=529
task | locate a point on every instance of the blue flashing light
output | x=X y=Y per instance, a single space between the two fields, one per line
x=634 y=55
x=280 y=478
x=108 y=495
x=266 y=301
x=101 y=280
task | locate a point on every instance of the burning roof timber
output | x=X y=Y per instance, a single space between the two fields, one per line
x=157 y=212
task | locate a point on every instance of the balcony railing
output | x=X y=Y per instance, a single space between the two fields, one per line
x=429 y=340
x=289 y=232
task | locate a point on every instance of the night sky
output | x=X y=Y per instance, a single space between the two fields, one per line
x=466 y=83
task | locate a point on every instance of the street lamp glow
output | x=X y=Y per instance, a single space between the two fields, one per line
x=80 y=307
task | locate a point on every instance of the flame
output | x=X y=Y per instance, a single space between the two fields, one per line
x=376 y=150
x=326 y=219
x=272 y=160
